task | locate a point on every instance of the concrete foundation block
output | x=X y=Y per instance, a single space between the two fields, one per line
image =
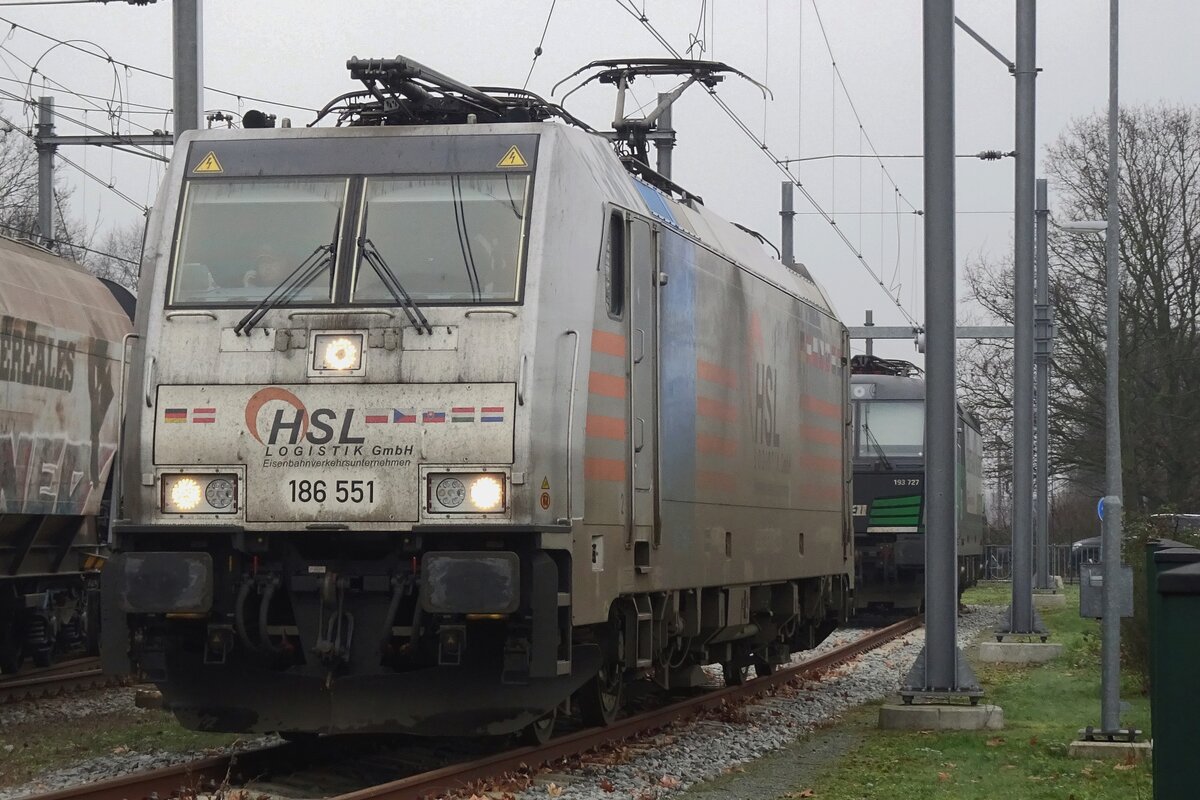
x=148 y=698
x=940 y=717
x=1019 y=652
x=1110 y=751
x=1047 y=600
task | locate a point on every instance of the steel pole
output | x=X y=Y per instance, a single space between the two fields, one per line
x=787 y=223
x=666 y=145
x=1021 y=610
x=188 y=49
x=45 y=154
x=1110 y=648
x=941 y=536
x=870 y=323
x=1041 y=362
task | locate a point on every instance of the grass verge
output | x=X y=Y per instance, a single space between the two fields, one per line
x=1044 y=707
x=28 y=750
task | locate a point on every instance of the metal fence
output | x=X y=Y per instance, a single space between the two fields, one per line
x=1065 y=560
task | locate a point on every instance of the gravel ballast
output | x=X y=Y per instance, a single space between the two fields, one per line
x=684 y=756
x=708 y=748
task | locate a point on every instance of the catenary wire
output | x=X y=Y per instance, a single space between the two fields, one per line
x=145 y=71
x=629 y=8
x=75 y=246
x=129 y=146
x=850 y=101
x=139 y=206
x=537 y=51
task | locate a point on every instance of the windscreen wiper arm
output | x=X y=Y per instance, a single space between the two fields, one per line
x=289 y=287
x=411 y=310
x=878 y=448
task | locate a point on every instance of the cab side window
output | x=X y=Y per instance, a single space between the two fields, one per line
x=616 y=266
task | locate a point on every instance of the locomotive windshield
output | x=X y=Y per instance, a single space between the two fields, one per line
x=239 y=239
x=449 y=239
x=891 y=427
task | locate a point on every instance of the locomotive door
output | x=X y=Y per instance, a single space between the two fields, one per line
x=643 y=387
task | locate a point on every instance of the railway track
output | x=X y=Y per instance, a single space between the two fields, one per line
x=210 y=776
x=62 y=678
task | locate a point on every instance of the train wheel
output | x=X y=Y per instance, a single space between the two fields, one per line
x=763 y=668
x=734 y=676
x=539 y=732
x=12 y=641
x=601 y=698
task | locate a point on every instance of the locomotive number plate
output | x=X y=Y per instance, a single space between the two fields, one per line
x=340 y=492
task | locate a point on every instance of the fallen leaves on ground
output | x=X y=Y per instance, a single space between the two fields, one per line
x=995 y=742
x=554 y=790
x=669 y=782
x=943 y=776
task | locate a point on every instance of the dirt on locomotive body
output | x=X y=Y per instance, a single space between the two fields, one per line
x=452 y=415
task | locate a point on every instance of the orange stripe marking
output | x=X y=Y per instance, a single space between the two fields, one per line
x=707 y=407
x=715 y=373
x=612 y=344
x=822 y=435
x=822 y=465
x=716 y=445
x=707 y=479
x=603 y=427
x=822 y=408
x=604 y=384
x=603 y=469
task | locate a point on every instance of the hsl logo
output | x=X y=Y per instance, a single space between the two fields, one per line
x=317 y=427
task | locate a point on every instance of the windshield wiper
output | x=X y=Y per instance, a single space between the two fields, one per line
x=304 y=274
x=388 y=278
x=878 y=449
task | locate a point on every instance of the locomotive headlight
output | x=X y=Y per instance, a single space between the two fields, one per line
x=199 y=493
x=487 y=494
x=219 y=492
x=467 y=492
x=862 y=391
x=450 y=492
x=185 y=494
x=340 y=352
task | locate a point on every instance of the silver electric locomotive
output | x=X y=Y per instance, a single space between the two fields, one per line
x=444 y=419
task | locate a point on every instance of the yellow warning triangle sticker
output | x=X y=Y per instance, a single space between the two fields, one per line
x=545 y=483
x=513 y=158
x=210 y=164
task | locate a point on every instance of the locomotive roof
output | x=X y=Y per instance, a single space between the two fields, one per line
x=893 y=387
x=38 y=286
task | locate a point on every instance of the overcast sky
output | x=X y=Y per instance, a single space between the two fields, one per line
x=294 y=51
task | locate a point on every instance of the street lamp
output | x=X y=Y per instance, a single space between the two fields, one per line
x=1085 y=226
x=1111 y=526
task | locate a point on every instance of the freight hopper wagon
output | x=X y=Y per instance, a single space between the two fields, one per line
x=61 y=334
x=509 y=429
x=889 y=485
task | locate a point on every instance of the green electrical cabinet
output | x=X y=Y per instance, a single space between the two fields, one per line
x=1175 y=660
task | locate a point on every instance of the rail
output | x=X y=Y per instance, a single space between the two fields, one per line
x=68 y=676
x=210 y=775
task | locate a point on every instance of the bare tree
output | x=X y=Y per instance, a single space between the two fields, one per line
x=118 y=256
x=1160 y=310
